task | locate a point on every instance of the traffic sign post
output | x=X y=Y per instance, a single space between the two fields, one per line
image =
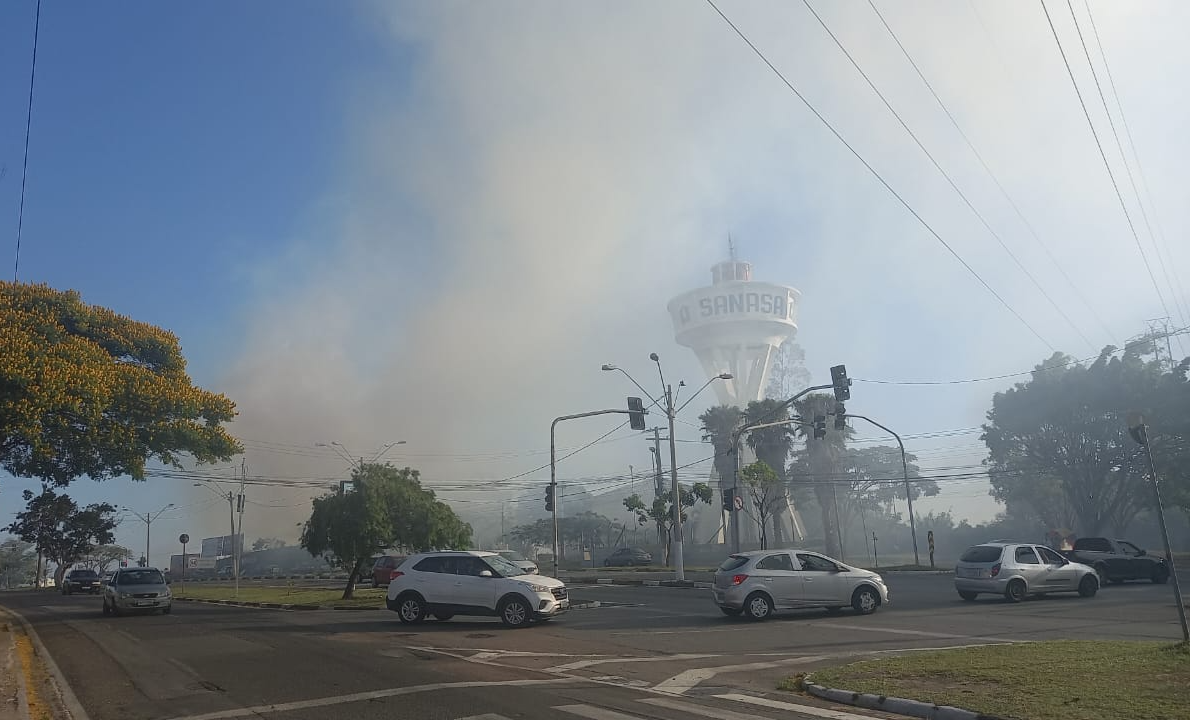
x=930 y=539
x=184 y=538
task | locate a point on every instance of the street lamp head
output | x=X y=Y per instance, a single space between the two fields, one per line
x=725 y=376
x=608 y=366
x=400 y=442
x=654 y=358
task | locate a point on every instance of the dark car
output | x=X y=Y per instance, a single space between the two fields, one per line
x=382 y=570
x=1118 y=560
x=87 y=581
x=629 y=557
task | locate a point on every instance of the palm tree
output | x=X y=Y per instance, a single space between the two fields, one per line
x=720 y=423
x=823 y=455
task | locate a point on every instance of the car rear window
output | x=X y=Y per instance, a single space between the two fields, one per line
x=981 y=554
x=1092 y=545
x=733 y=562
x=89 y=574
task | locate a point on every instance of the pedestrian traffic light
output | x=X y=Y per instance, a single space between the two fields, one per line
x=819 y=427
x=840 y=417
x=842 y=384
x=636 y=413
x=549 y=497
x=729 y=499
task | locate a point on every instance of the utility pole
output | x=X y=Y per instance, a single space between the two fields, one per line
x=657 y=483
x=1140 y=433
x=908 y=490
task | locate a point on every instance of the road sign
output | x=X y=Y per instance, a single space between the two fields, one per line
x=205 y=563
x=183 y=538
x=739 y=503
x=192 y=562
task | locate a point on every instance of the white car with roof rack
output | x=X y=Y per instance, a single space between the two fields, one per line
x=469 y=582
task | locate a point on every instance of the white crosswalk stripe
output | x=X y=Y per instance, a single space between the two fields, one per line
x=594 y=713
x=486 y=716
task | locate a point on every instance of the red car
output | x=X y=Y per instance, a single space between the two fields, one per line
x=382 y=570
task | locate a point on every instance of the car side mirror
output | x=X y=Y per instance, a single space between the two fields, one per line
x=485 y=573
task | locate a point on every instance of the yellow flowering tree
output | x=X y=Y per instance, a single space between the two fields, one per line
x=87 y=392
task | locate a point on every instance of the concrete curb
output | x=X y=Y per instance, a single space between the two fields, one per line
x=255 y=605
x=700 y=585
x=73 y=707
x=900 y=706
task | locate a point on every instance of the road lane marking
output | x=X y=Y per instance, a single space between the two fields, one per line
x=594 y=713
x=920 y=633
x=795 y=707
x=486 y=716
x=359 y=697
x=682 y=682
x=578 y=665
x=714 y=712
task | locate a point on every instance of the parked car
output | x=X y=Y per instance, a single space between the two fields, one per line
x=629 y=557
x=519 y=560
x=137 y=589
x=382 y=569
x=80 y=580
x=1018 y=570
x=1118 y=560
x=759 y=582
x=445 y=584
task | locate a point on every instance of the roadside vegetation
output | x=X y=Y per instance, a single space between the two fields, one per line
x=1058 y=680
x=322 y=597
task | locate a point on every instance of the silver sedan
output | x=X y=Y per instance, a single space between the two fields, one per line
x=757 y=583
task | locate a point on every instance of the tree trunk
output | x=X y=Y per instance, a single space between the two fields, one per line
x=826 y=503
x=349 y=590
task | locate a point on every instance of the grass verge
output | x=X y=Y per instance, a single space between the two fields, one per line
x=1058 y=680
x=364 y=597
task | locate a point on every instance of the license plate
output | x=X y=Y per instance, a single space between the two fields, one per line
x=145 y=603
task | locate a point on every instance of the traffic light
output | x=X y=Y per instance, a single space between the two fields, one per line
x=819 y=427
x=636 y=413
x=549 y=497
x=841 y=382
x=729 y=499
x=840 y=417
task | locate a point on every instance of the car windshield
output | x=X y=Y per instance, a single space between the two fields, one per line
x=982 y=554
x=83 y=575
x=733 y=562
x=142 y=577
x=512 y=555
x=503 y=567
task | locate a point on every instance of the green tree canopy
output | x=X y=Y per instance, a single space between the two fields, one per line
x=720 y=424
x=62 y=531
x=660 y=512
x=386 y=507
x=765 y=491
x=87 y=392
x=101 y=557
x=18 y=563
x=1059 y=447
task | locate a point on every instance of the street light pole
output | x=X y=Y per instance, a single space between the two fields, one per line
x=148 y=519
x=905 y=471
x=1140 y=433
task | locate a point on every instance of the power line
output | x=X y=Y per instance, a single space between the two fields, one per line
x=1179 y=293
x=1107 y=165
x=988 y=170
x=876 y=174
x=16 y=265
x=938 y=166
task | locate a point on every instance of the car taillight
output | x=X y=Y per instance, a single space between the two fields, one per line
x=738 y=579
x=995 y=569
x=394 y=575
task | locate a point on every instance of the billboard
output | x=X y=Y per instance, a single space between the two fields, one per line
x=222 y=546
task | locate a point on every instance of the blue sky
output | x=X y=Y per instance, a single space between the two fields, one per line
x=371 y=222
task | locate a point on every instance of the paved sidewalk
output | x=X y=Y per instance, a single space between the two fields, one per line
x=12 y=686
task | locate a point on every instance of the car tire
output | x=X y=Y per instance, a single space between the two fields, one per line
x=968 y=595
x=515 y=612
x=443 y=617
x=1101 y=571
x=107 y=610
x=411 y=609
x=758 y=606
x=865 y=600
x=731 y=612
x=116 y=610
x=1016 y=591
x=1160 y=576
x=1088 y=586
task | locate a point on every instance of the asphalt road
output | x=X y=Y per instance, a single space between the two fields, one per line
x=646 y=652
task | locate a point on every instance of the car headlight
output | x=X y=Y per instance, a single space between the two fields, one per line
x=538 y=588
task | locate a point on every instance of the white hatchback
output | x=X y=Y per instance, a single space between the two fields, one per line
x=448 y=583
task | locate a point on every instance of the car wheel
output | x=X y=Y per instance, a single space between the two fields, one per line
x=731 y=612
x=106 y=608
x=443 y=617
x=968 y=595
x=1101 y=571
x=1088 y=586
x=865 y=601
x=515 y=612
x=1016 y=591
x=410 y=609
x=116 y=610
x=758 y=606
x=1160 y=576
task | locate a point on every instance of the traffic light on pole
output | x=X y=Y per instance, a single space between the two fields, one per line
x=819 y=427
x=549 y=497
x=840 y=417
x=842 y=384
x=636 y=413
x=728 y=499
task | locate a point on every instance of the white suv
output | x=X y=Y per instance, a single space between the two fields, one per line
x=445 y=584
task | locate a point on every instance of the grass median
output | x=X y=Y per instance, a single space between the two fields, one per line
x=364 y=597
x=1058 y=680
